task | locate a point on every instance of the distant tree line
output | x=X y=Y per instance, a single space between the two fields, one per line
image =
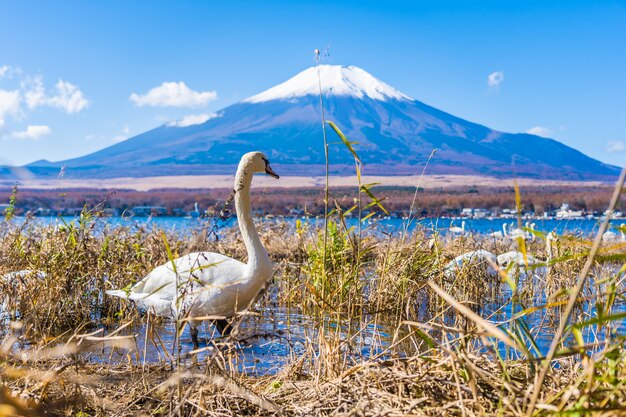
x=282 y=201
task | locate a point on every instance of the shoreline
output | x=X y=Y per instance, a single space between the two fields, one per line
x=261 y=181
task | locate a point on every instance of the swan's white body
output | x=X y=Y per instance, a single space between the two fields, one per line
x=517 y=258
x=13 y=277
x=498 y=233
x=519 y=233
x=480 y=257
x=514 y=261
x=209 y=284
x=612 y=236
x=458 y=230
x=14 y=281
x=206 y=283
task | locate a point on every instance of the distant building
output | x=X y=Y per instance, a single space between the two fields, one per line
x=481 y=213
x=566 y=213
x=43 y=211
x=476 y=213
x=508 y=213
x=149 y=211
x=615 y=214
x=110 y=212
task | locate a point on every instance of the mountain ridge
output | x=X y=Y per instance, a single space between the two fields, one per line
x=395 y=136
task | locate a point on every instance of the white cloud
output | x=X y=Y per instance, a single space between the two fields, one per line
x=32 y=132
x=540 y=131
x=172 y=94
x=5 y=71
x=615 y=146
x=34 y=93
x=192 y=119
x=495 y=79
x=9 y=104
x=67 y=96
x=125 y=134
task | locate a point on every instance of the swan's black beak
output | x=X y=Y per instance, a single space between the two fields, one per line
x=270 y=172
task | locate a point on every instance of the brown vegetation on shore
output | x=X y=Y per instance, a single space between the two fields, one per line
x=281 y=201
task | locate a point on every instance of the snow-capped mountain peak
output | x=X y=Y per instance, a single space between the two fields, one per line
x=336 y=80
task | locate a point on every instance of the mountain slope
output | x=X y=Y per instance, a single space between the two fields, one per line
x=395 y=135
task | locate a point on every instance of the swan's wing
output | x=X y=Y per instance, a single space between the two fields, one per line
x=507 y=257
x=201 y=277
x=203 y=267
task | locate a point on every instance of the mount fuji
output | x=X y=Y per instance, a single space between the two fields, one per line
x=395 y=135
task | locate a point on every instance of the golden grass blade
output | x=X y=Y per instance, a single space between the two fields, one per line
x=345 y=140
x=580 y=282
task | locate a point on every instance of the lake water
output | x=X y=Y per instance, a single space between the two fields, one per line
x=581 y=227
x=264 y=343
x=277 y=336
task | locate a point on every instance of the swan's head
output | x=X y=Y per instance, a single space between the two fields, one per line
x=259 y=163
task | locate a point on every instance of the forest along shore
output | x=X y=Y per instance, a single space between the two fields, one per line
x=449 y=201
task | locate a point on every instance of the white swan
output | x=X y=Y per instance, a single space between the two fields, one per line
x=480 y=257
x=12 y=282
x=517 y=233
x=522 y=263
x=517 y=258
x=612 y=236
x=21 y=275
x=206 y=283
x=196 y=211
x=458 y=230
x=498 y=233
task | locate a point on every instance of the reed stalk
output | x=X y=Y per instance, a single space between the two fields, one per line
x=574 y=294
x=326 y=159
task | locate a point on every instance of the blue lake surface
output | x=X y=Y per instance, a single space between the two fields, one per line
x=581 y=227
x=271 y=340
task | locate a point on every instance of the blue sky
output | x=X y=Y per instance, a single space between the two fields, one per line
x=75 y=76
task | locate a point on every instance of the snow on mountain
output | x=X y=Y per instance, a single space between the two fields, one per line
x=192 y=119
x=337 y=80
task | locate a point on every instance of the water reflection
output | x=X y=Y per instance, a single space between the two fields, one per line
x=263 y=344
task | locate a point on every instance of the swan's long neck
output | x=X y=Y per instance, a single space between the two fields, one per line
x=257 y=256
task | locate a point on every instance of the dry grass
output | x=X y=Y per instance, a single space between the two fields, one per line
x=442 y=357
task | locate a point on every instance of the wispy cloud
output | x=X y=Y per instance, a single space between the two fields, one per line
x=6 y=71
x=540 y=131
x=615 y=146
x=31 y=93
x=32 y=132
x=9 y=104
x=125 y=134
x=67 y=96
x=495 y=79
x=192 y=119
x=172 y=94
